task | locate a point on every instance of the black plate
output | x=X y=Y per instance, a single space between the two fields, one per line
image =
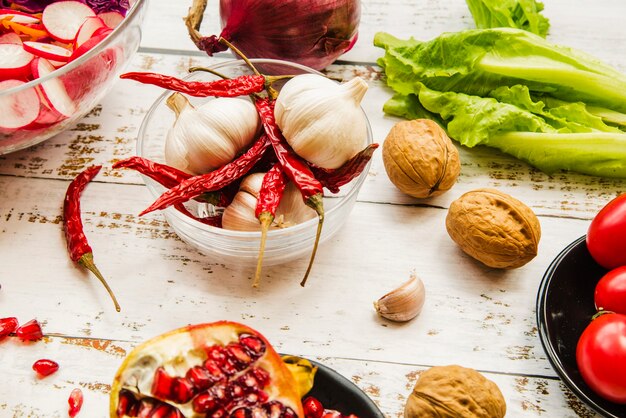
x=336 y=392
x=564 y=308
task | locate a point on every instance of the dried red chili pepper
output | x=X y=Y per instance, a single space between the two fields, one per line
x=163 y=174
x=232 y=87
x=295 y=168
x=212 y=181
x=270 y=194
x=333 y=179
x=77 y=244
x=170 y=177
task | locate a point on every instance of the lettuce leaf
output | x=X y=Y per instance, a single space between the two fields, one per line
x=558 y=145
x=521 y=14
x=477 y=62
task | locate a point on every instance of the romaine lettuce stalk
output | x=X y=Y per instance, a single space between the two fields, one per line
x=476 y=62
x=521 y=14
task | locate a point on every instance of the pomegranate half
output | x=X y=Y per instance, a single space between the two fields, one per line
x=220 y=369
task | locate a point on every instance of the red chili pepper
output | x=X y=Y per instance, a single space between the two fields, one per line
x=270 y=194
x=212 y=181
x=295 y=168
x=333 y=179
x=163 y=174
x=232 y=87
x=77 y=244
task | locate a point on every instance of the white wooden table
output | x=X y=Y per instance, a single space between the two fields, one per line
x=473 y=316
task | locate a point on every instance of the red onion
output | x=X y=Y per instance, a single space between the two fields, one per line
x=310 y=32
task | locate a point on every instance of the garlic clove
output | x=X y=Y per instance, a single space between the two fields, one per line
x=239 y=215
x=403 y=303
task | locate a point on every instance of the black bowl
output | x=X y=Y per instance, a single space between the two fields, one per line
x=564 y=309
x=336 y=392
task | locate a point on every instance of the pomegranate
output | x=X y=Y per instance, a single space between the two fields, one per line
x=220 y=369
x=75 y=402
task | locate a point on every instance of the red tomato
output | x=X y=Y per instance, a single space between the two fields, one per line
x=606 y=237
x=601 y=356
x=610 y=293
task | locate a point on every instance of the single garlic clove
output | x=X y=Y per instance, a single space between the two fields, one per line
x=403 y=303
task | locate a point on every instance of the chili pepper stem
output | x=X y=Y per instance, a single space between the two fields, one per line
x=316 y=203
x=86 y=260
x=266 y=219
x=208 y=70
x=238 y=52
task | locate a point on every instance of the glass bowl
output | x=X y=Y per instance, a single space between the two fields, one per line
x=283 y=245
x=86 y=79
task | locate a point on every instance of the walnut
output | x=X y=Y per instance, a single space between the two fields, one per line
x=494 y=228
x=454 y=391
x=420 y=159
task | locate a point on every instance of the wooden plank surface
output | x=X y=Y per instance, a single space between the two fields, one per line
x=474 y=316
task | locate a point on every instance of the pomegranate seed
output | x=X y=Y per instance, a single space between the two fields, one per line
x=7 y=326
x=290 y=413
x=255 y=398
x=238 y=355
x=241 y=412
x=329 y=413
x=219 y=356
x=220 y=413
x=45 y=367
x=204 y=377
x=182 y=390
x=30 y=331
x=126 y=402
x=274 y=409
x=236 y=391
x=312 y=408
x=259 y=375
x=204 y=402
x=75 y=401
x=253 y=344
x=162 y=384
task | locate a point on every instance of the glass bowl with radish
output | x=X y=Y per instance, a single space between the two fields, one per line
x=57 y=60
x=260 y=178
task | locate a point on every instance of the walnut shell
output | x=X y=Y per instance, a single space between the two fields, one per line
x=420 y=159
x=454 y=391
x=494 y=228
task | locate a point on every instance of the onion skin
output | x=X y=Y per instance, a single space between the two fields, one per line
x=309 y=32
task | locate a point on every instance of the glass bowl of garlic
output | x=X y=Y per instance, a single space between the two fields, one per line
x=291 y=236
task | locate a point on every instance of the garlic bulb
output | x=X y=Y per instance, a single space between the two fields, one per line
x=403 y=303
x=239 y=215
x=209 y=136
x=322 y=120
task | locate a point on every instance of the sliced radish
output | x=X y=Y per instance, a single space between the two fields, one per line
x=48 y=51
x=19 y=109
x=10 y=38
x=18 y=17
x=87 y=30
x=111 y=19
x=14 y=61
x=53 y=91
x=88 y=44
x=63 y=19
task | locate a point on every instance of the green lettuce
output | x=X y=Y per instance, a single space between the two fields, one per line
x=550 y=144
x=553 y=107
x=521 y=14
x=479 y=61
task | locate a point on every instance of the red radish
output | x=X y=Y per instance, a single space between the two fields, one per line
x=53 y=90
x=63 y=19
x=18 y=17
x=88 y=29
x=14 y=61
x=88 y=44
x=10 y=38
x=111 y=19
x=48 y=51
